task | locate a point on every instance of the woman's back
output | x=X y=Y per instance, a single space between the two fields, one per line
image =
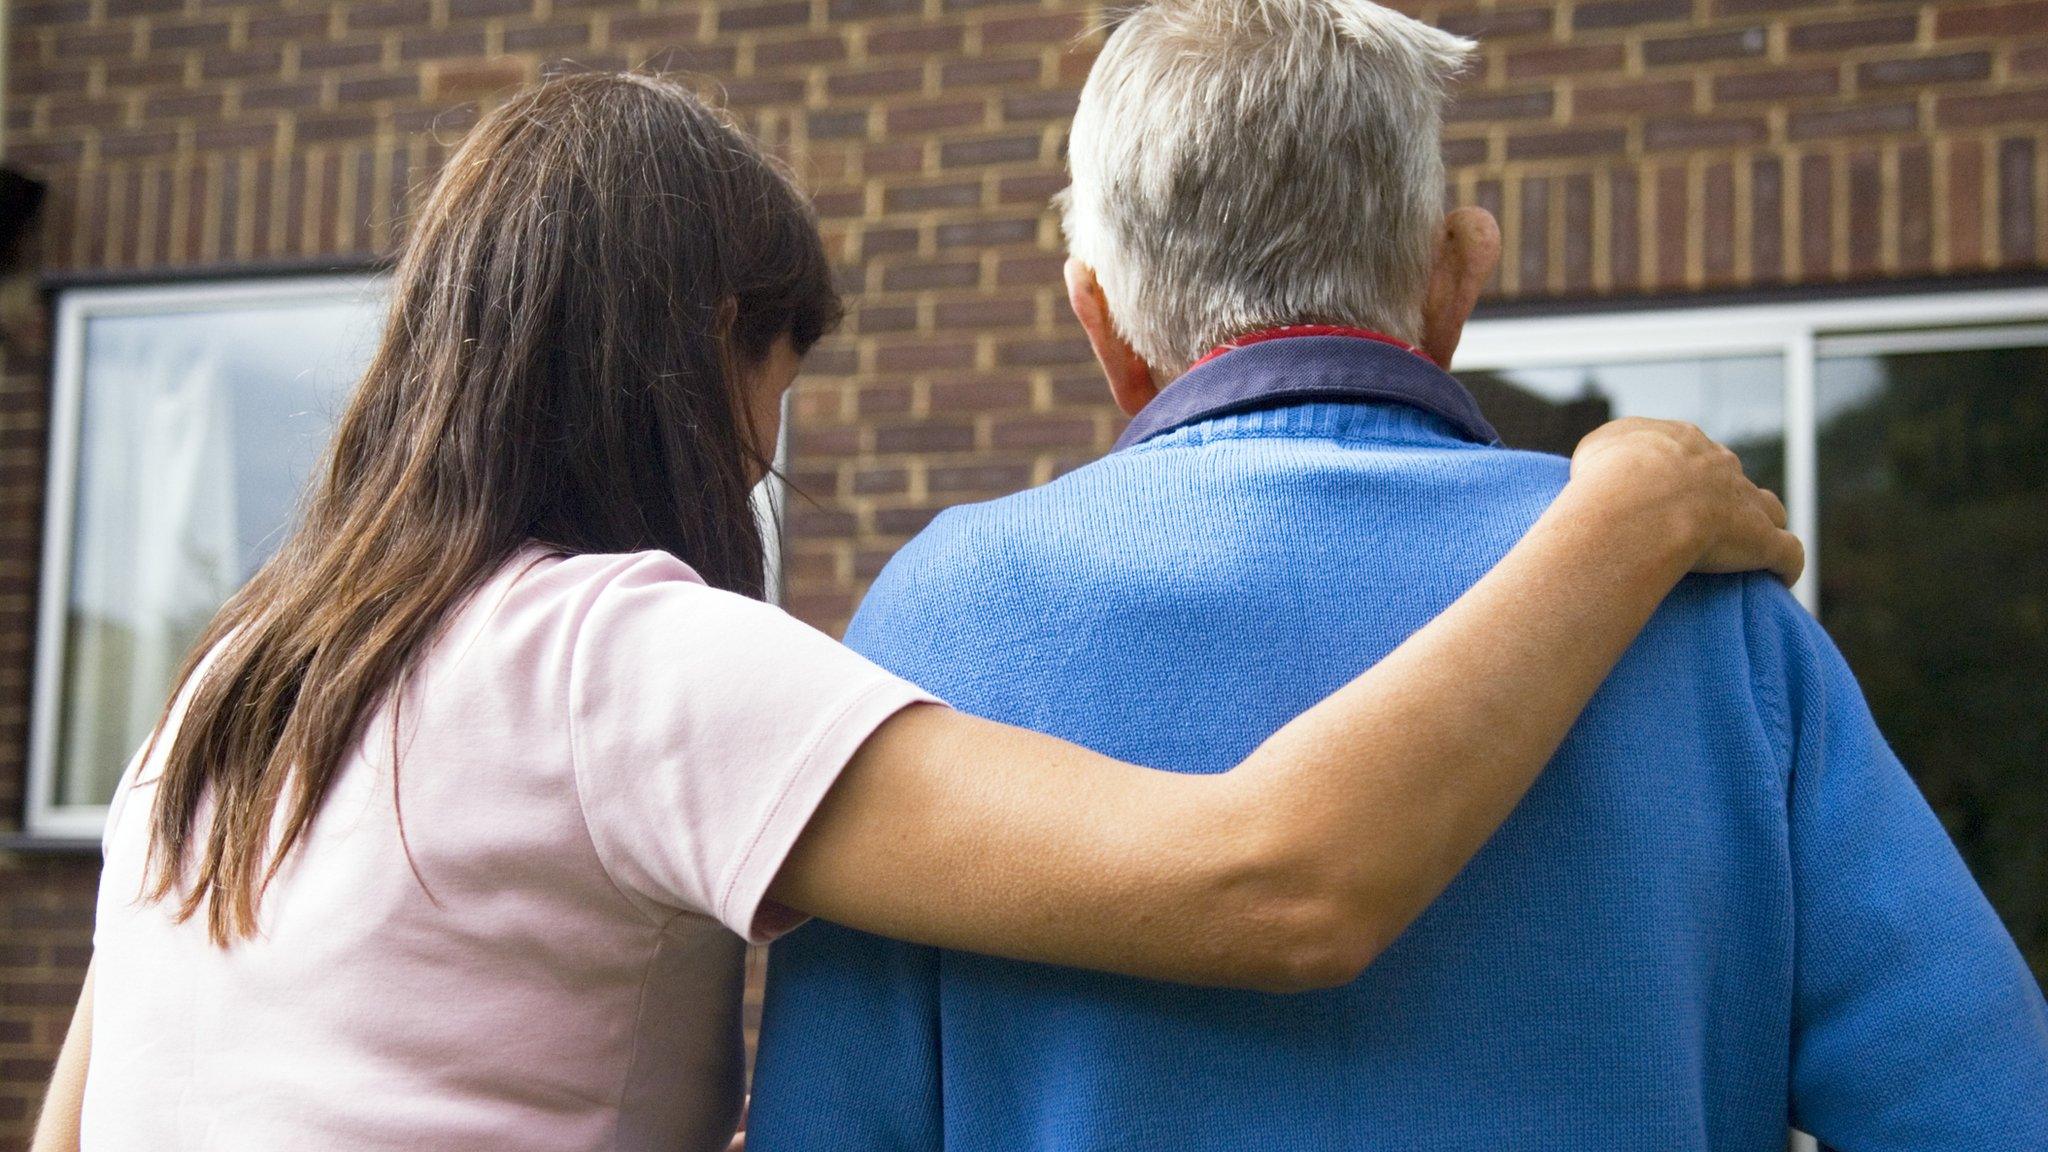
x=555 y=976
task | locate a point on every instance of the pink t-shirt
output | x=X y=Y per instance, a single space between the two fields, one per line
x=604 y=763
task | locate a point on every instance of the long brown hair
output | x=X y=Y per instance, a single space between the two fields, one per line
x=559 y=365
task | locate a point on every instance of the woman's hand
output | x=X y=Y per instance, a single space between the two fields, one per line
x=1669 y=470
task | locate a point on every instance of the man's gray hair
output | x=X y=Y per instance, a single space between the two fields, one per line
x=1240 y=164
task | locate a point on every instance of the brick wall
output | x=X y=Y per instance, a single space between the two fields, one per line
x=1628 y=146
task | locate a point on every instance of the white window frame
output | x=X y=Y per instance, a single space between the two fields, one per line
x=1800 y=332
x=76 y=308
x=45 y=820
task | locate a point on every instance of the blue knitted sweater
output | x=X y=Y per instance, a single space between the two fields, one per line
x=1723 y=907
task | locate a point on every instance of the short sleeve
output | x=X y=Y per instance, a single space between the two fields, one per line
x=706 y=728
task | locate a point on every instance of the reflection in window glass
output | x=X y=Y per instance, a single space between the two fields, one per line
x=1739 y=401
x=1934 y=582
x=196 y=432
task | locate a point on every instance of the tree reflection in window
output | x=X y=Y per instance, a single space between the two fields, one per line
x=1933 y=559
x=1934 y=582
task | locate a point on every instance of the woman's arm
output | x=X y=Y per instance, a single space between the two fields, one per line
x=1295 y=869
x=57 y=1126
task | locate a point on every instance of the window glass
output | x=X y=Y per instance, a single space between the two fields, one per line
x=196 y=432
x=1738 y=400
x=1934 y=581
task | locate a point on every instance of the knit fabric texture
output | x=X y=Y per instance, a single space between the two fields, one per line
x=1723 y=907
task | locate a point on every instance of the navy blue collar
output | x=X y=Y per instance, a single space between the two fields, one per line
x=1300 y=369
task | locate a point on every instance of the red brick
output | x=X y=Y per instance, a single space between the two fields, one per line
x=892 y=159
x=340 y=55
x=1963 y=199
x=1777 y=84
x=1866 y=212
x=1005 y=71
x=1040 y=106
x=1664 y=133
x=1920 y=71
x=918 y=41
x=1630 y=13
x=924 y=355
x=1532 y=247
x=1567 y=142
x=1487 y=195
x=1853 y=120
x=484 y=9
x=1767 y=219
x=978 y=315
x=463 y=79
x=1039 y=352
x=452 y=43
x=285 y=25
x=880 y=82
x=929 y=435
x=986 y=232
x=2027 y=105
x=1624 y=202
x=1674 y=226
x=197 y=34
x=948 y=274
x=2018 y=241
x=882 y=481
x=1494 y=107
x=370 y=88
x=2026 y=19
x=548 y=37
x=813 y=50
x=1914 y=208
x=1638 y=96
x=989 y=393
x=1047 y=30
x=988 y=479
x=1043 y=432
x=1467 y=151
x=389 y=14
x=1830 y=35
x=858 y=9
x=738 y=18
x=990 y=150
x=1752 y=7
x=955 y=195
x=936 y=115
x=1576 y=258
x=904 y=521
x=1816 y=217
x=1730 y=45
x=1491 y=24
x=1543 y=63
x=1015 y=270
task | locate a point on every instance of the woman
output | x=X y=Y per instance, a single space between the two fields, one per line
x=454 y=831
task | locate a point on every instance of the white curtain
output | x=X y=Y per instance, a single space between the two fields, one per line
x=154 y=546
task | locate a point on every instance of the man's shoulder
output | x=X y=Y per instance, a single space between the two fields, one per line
x=1171 y=513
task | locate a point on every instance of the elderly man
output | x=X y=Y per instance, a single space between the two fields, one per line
x=1722 y=909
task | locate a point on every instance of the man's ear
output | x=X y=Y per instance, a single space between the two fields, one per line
x=1130 y=378
x=1467 y=250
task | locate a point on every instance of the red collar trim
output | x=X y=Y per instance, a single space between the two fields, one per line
x=1282 y=333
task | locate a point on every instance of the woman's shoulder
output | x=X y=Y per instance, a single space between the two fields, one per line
x=540 y=583
x=543 y=571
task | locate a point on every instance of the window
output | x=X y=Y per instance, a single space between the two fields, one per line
x=1909 y=437
x=184 y=423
